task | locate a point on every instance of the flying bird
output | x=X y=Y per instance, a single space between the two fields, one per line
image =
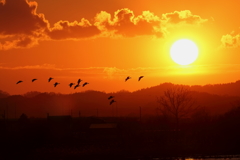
x=19 y=82
x=140 y=78
x=71 y=84
x=79 y=80
x=84 y=84
x=127 y=78
x=112 y=101
x=50 y=79
x=34 y=79
x=55 y=84
x=110 y=97
x=76 y=86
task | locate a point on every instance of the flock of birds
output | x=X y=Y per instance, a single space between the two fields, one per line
x=56 y=83
x=111 y=97
x=84 y=84
x=139 y=78
x=112 y=100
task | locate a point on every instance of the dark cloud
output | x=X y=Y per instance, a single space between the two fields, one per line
x=21 y=24
x=20 y=17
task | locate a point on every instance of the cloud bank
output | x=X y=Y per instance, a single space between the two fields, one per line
x=21 y=25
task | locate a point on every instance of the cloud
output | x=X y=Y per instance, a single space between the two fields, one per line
x=73 y=30
x=110 y=72
x=114 y=73
x=18 y=42
x=230 y=40
x=20 y=17
x=182 y=17
x=125 y=23
x=104 y=72
x=43 y=66
x=20 y=23
x=22 y=27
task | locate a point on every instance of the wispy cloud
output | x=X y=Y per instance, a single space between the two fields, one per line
x=43 y=66
x=114 y=73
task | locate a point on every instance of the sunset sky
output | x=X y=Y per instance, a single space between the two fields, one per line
x=104 y=41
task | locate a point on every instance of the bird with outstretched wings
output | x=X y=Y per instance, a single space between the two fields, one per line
x=71 y=84
x=55 y=84
x=140 y=78
x=78 y=82
x=110 y=97
x=84 y=84
x=19 y=82
x=34 y=79
x=127 y=78
x=76 y=86
x=112 y=101
x=49 y=79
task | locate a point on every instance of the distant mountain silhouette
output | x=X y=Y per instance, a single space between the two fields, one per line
x=216 y=99
x=231 y=89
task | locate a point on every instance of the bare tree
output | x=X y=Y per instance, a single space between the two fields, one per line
x=177 y=102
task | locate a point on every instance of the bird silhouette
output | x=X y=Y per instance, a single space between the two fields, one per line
x=50 y=79
x=34 y=79
x=76 y=86
x=140 y=78
x=71 y=84
x=79 y=80
x=110 y=97
x=112 y=101
x=84 y=84
x=19 y=82
x=127 y=78
x=55 y=84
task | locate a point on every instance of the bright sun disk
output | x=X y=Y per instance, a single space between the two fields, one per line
x=184 y=52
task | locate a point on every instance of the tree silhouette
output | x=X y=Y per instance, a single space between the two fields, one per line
x=4 y=94
x=177 y=102
x=31 y=94
x=23 y=119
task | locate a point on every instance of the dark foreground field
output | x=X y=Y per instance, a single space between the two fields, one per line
x=117 y=138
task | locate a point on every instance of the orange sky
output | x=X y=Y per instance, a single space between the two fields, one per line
x=103 y=42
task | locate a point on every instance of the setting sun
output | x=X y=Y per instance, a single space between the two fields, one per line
x=120 y=79
x=184 y=52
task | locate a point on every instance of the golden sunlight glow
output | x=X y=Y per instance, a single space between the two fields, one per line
x=184 y=52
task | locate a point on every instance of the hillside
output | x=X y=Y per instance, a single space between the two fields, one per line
x=216 y=99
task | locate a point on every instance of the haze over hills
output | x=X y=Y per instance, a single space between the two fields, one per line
x=215 y=99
